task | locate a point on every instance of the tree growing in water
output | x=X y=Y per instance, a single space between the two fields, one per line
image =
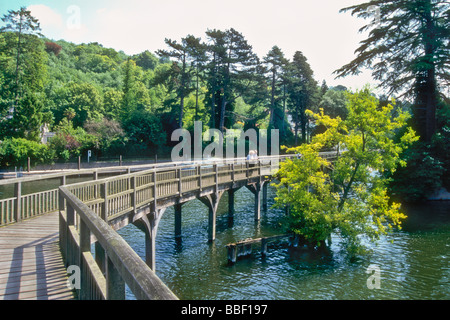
x=351 y=199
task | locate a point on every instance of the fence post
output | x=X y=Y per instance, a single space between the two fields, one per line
x=155 y=191
x=104 y=196
x=179 y=182
x=199 y=168
x=133 y=195
x=85 y=246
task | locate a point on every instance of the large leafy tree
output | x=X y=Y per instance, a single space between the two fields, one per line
x=408 y=50
x=351 y=199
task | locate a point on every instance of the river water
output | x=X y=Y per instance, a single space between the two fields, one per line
x=412 y=263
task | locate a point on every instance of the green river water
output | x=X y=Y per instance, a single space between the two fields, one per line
x=413 y=263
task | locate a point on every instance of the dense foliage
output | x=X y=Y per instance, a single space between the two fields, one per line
x=99 y=99
x=347 y=196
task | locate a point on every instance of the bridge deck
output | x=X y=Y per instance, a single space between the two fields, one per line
x=31 y=265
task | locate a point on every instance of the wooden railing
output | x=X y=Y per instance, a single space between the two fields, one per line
x=78 y=225
x=113 y=197
x=87 y=210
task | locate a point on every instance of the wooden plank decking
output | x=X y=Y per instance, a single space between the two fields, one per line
x=31 y=265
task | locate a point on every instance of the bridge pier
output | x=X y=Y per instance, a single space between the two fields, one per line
x=212 y=202
x=259 y=189
x=178 y=220
x=231 y=202
x=149 y=225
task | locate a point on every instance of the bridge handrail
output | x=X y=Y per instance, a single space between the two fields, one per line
x=22 y=206
x=123 y=265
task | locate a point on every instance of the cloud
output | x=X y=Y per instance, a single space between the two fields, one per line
x=67 y=26
x=47 y=17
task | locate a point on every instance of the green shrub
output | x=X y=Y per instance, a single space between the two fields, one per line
x=16 y=151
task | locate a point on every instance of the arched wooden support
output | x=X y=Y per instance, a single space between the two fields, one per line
x=212 y=202
x=256 y=189
x=149 y=225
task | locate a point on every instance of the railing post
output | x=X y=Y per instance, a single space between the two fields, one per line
x=85 y=246
x=104 y=196
x=232 y=172
x=70 y=221
x=133 y=194
x=180 y=191
x=247 y=174
x=155 y=191
x=18 y=204
x=199 y=168
x=216 y=170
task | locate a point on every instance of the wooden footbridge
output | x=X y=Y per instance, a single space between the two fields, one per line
x=61 y=241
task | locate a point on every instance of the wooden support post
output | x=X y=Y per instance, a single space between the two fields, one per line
x=79 y=162
x=232 y=253
x=29 y=164
x=263 y=247
x=178 y=220
x=257 y=202
x=264 y=195
x=18 y=203
x=231 y=202
x=211 y=224
x=150 y=246
x=148 y=224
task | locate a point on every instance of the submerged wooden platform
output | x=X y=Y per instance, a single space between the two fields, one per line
x=31 y=265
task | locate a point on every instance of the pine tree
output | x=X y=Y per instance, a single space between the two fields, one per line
x=302 y=91
x=22 y=24
x=408 y=51
x=180 y=72
x=275 y=62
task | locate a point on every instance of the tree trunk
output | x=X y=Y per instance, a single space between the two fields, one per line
x=272 y=100
x=430 y=80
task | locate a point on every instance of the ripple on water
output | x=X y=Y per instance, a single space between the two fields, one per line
x=414 y=266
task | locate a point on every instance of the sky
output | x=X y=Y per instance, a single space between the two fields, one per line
x=326 y=37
